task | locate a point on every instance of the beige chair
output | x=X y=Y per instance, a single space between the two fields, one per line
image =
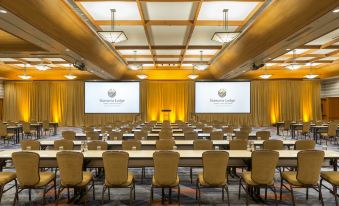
x=207 y=129
x=6 y=135
x=331 y=133
x=30 y=144
x=331 y=177
x=263 y=135
x=202 y=144
x=305 y=131
x=46 y=127
x=97 y=145
x=214 y=173
x=273 y=144
x=165 y=173
x=191 y=135
x=228 y=130
x=88 y=129
x=165 y=135
x=307 y=174
x=116 y=173
x=242 y=135
x=106 y=130
x=5 y=178
x=115 y=135
x=187 y=129
x=238 y=144
x=246 y=129
x=140 y=135
x=26 y=129
x=63 y=144
x=217 y=135
x=129 y=144
x=262 y=173
x=29 y=176
x=92 y=135
x=71 y=173
x=164 y=144
x=304 y=145
x=69 y=135
x=126 y=130
x=287 y=127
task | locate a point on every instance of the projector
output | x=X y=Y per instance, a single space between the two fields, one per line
x=256 y=67
x=79 y=65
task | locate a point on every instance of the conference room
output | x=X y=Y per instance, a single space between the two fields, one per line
x=160 y=102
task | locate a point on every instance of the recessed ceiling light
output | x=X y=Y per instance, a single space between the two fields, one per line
x=3 y=11
x=67 y=50
x=335 y=10
x=288 y=49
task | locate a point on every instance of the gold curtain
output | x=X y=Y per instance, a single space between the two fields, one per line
x=63 y=102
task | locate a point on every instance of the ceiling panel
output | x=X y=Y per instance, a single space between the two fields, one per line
x=168 y=59
x=8 y=60
x=237 y=10
x=168 y=52
x=55 y=59
x=326 y=38
x=196 y=59
x=169 y=10
x=32 y=59
x=101 y=10
x=168 y=35
x=135 y=34
x=139 y=59
x=197 y=51
x=202 y=35
x=304 y=58
x=323 y=51
x=131 y=52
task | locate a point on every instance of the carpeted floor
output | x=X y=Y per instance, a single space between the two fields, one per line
x=209 y=196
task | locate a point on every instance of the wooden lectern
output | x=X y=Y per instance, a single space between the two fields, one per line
x=166 y=113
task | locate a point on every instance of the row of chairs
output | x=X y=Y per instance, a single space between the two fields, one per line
x=263 y=165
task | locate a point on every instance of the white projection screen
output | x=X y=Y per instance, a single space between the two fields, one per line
x=222 y=97
x=112 y=97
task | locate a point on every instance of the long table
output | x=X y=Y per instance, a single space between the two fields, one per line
x=144 y=158
x=181 y=144
x=178 y=136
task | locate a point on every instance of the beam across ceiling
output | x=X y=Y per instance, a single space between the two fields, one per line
x=167 y=47
x=167 y=22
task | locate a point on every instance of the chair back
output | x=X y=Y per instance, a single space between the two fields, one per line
x=202 y=144
x=116 y=167
x=207 y=129
x=165 y=134
x=93 y=145
x=332 y=129
x=306 y=127
x=88 y=129
x=215 y=165
x=164 y=144
x=140 y=135
x=264 y=163
x=64 y=143
x=238 y=144
x=273 y=144
x=70 y=165
x=26 y=127
x=45 y=125
x=287 y=125
x=3 y=130
x=187 y=129
x=27 y=168
x=217 y=135
x=264 y=135
x=92 y=135
x=191 y=135
x=129 y=144
x=246 y=129
x=242 y=135
x=304 y=144
x=69 y=135
x=106 y=129
x=166 y=167
x=126 y=129
x=115 y=135
x=309 y=166
x=33 y=144
x=228 y=129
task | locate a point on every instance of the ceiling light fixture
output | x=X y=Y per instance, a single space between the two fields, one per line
x=265 y=75
x=311 y=75
x=135 y=66
x=201 y=66
x=113 y=36
x=3 y=11
x=294 y=65
x=70 y=76
x=42 y=67
x=141 y=75
x=193 y=75
x=25 y=76
x=335 y=10
x=225 y=36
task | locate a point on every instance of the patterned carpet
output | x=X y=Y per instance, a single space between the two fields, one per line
x=209 y=196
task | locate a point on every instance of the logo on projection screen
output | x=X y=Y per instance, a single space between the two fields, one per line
x=222 y=93
x=111 y=93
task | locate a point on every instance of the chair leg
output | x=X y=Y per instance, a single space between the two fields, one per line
x=321 y=196
x=223 y=194
x=275 y=195
x=55 y=190
x=228 y=195
x=162 y=195
x=247 y=188
x=130 y=195
x=58 y=196
x=103 y=194
x=292 y=196
x=335 y=194
x=93 y=188
x=16 y=196
x=151 y=198
x=170 y=195
x=29 y=196
x=306 y=193
x=179 y=195
x=44 y=195
x=191 y=174
x=281 y=185
x=239 y=188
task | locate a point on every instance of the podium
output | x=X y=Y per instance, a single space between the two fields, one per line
x=166 y=113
